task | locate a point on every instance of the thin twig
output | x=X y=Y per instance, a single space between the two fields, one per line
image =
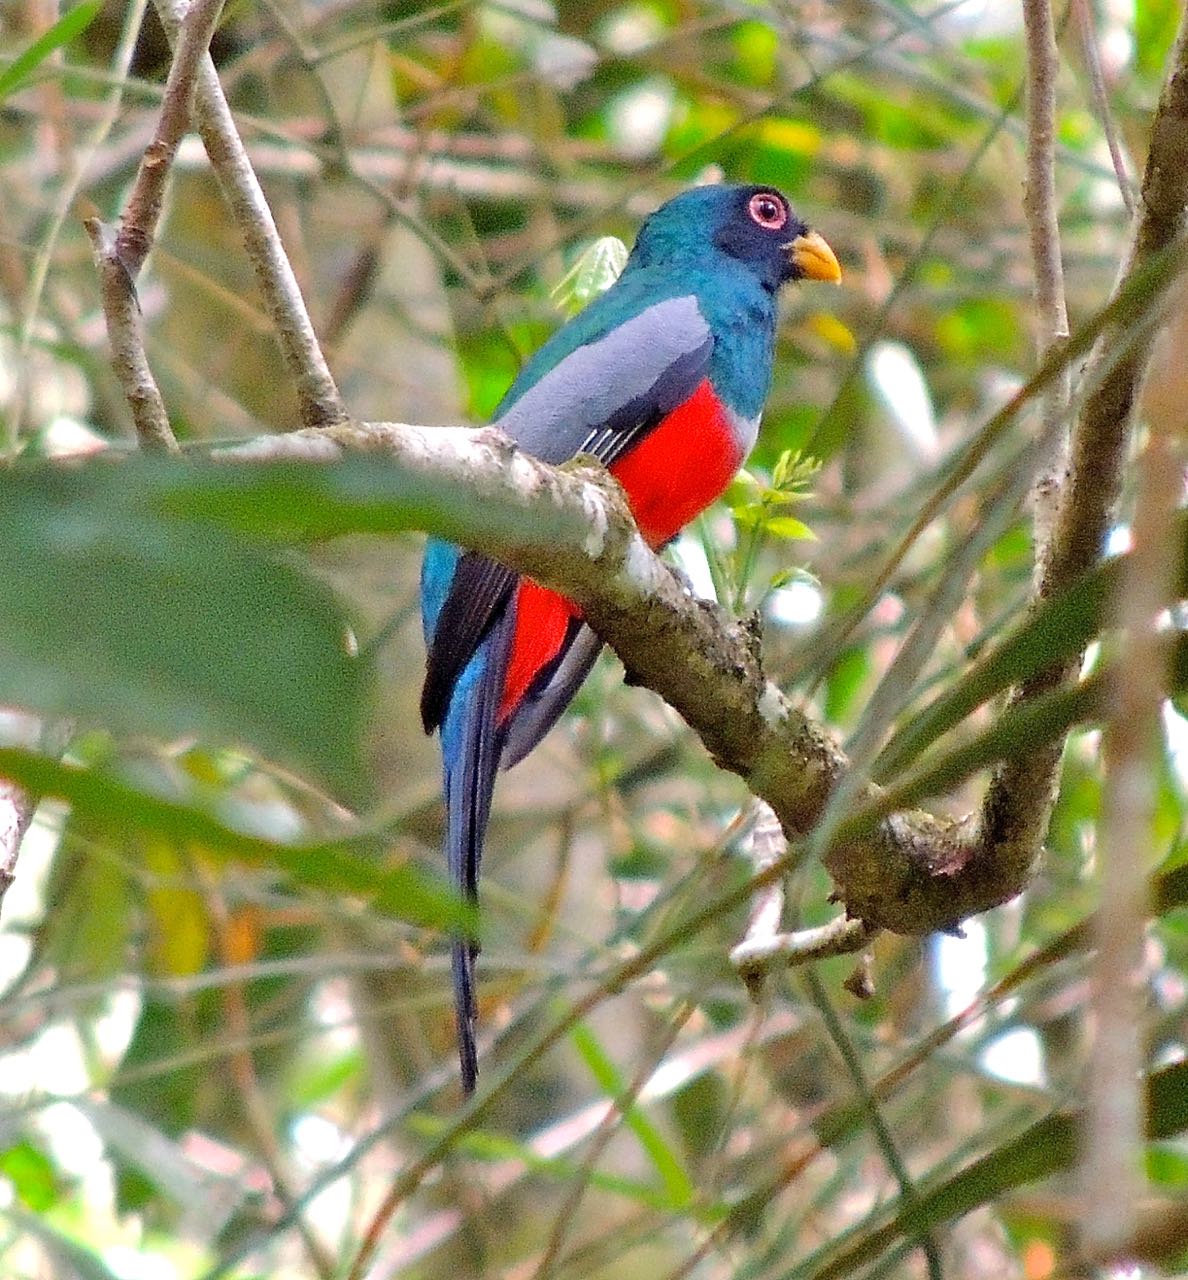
x=1114 y=1135
x=1043 y=230
x=1083 y=12
x=955 y=200
x=840 y=937
x=242 y=1069
x=18 y=803
x=765 y=846
x=121 y=312
x=142 y=210
x=763 y=947
x=332 y=143
x=319 y=402
x=16 y=812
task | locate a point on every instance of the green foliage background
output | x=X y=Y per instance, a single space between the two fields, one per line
x=225 y=1024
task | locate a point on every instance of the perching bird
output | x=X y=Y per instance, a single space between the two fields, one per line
x=662 y=379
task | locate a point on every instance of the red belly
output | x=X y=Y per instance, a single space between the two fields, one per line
x=672 y=476
x=681 y=467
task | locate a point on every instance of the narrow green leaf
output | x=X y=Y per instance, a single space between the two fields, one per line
x=788 y=528
x=1017 y=731
x=354 y=866
x=1057 y=631
x=315 y=1080
x=72 y=23
x=1046 y=1147
x=482 y=1144
x=677 y=1182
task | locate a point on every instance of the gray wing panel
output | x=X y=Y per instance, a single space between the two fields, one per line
x=539 y=712
x=605 y=394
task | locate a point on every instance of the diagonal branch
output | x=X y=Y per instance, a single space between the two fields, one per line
x=125 y=333
x=142 y=210
x=570 y=528
x=1018 y=805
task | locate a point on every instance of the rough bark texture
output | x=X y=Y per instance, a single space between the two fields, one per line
x=570 y=529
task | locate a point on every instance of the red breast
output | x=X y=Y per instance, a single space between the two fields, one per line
x=681 y=466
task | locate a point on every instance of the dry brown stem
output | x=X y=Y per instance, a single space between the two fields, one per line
x=1114 y=1135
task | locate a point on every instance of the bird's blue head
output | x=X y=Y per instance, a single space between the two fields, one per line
x=750 y=224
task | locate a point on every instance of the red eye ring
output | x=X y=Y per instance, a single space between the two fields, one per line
x=768 y=211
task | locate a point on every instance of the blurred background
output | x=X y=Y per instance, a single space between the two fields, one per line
x=212 y=1065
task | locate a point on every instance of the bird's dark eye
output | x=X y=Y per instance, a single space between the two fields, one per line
x=768 y=211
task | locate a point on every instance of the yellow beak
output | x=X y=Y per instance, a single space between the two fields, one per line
x=814 y=259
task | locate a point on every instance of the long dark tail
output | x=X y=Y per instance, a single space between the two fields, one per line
x=465 y=1011
x=471 y=745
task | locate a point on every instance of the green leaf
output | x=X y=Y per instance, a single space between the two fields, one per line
x=1167 y=1164
x=143 y=623
x=72 y=23
x=318 y=1079
x=161 y=1078
x=701 y=1110
x=793 y=472
x=846 y=681
x=1155 y=23
x=789 y=528
x=353 y=865
x=92 y=921
x=677 y=1183
x=743 y=490
x=32 y=1175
